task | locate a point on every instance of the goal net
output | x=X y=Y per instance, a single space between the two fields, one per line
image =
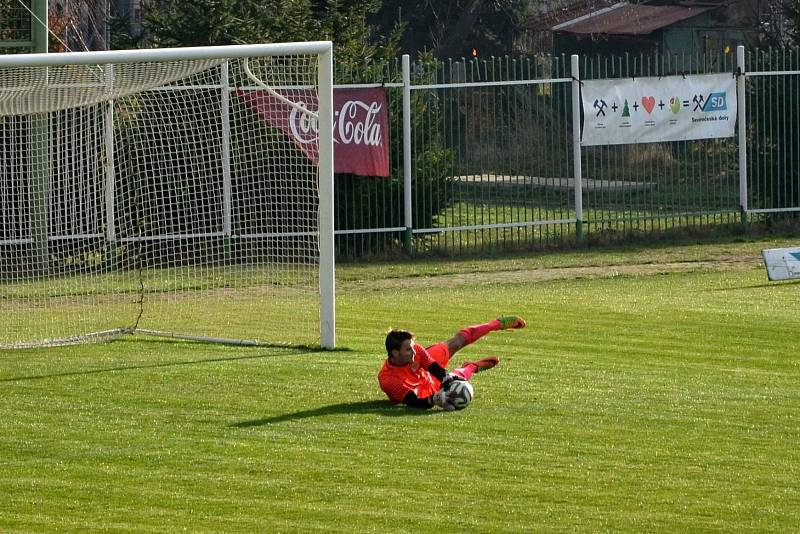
x=160 y=192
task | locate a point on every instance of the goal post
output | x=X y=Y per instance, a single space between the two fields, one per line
x=149 y=192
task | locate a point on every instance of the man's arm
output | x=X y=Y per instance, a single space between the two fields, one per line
x=442 y=375
x=438 y=371
x=440 y=399
x=437 y=399
x=412 y=400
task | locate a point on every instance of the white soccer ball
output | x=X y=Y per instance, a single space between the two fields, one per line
x=463 y=393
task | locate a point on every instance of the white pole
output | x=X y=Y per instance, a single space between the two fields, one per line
x=164 y=54
x=226 y=151
x=408 y=221
x=742 y=118
x=576 y=145
x=327 y=270
x=111 y=232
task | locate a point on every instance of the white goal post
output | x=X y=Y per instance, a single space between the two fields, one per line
x=155 y=192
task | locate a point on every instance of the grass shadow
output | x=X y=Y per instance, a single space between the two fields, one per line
x=155 y=338
x=380 y=407
x=291 y=352
x=768 y=285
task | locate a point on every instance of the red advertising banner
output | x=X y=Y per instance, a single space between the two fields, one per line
x=360 y=126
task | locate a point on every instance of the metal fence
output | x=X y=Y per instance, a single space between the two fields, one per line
x=773 y=132
x=483 y=155
x=478 y=130
x=487 y=158
x=15 y=27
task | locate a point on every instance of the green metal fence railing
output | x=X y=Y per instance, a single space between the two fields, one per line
x=493 y=157
x=773 y=139
x=15 y=27
x=654 y=187
x=483 y=157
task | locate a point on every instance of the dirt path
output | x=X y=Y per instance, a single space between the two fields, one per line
x=557 y=273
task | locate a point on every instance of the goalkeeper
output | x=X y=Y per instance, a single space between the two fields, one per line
x=415 y=376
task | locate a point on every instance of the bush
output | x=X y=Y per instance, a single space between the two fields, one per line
x=375 y=202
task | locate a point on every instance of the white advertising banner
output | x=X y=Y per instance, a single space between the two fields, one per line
x=652 y=110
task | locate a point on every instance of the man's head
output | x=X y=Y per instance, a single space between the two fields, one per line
x=400 y=347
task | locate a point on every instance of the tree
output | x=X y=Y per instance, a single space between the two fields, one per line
x=454 y=28
x=361 y=52
x=123 y=35
x=792 y=11
x=356 y=41
x=224 y=22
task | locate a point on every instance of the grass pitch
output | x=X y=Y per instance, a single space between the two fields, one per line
x=653 y=390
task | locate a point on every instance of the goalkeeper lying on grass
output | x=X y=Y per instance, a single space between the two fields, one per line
x=415 y=376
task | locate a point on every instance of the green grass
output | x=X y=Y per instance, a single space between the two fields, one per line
x=600 y=225
x=648 y=402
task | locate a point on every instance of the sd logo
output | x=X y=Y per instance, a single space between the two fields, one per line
x=716 y=102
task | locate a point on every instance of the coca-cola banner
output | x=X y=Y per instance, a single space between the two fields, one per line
x=360 y=126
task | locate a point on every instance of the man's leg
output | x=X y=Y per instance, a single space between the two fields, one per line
x=471 y=334
x=440 y=353
x=468 y=369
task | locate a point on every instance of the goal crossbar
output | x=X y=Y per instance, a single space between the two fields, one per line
x=100 y=57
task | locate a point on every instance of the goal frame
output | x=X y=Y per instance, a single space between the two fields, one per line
x=324 y=50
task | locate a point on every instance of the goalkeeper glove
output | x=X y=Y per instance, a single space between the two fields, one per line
x=452 y=377
x=441 y=399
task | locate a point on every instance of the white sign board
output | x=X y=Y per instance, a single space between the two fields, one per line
x=782 y=263
x=652 y=110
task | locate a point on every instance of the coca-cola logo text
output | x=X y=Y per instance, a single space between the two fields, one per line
x=353 y=124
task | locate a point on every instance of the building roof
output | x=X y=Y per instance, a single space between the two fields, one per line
x=559 y=12
x=630 y=19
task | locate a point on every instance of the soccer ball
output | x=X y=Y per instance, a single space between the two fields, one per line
x=463 y=391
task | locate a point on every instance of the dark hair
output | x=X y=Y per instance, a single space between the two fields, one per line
x=395 y=338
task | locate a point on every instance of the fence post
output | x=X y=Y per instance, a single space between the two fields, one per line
x=742 y=118
x=227 y=204
x=40 y=149
x=40 y=29
x=110 y=192
x=576 y=146
x=407 y=153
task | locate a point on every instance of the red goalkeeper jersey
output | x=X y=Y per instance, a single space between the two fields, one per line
x=397 y=380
